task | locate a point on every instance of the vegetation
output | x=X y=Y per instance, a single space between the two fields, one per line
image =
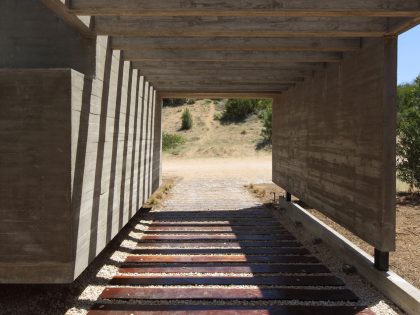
x=239 y=109
x=267 y=116
x=171 y=141
x=186 y=120
x=174 y=102
x=408 y=131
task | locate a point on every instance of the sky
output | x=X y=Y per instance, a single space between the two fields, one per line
x=409 y=55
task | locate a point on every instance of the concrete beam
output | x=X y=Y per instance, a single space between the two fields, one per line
x=306 y=8
x=216 y=85
x=215 y=94
x=159 y=66
x=82 y=23
x=241 y=26
x=228 y=75
x=234 y=44
x=223 y=79
x=220 y=88
x=228 y=56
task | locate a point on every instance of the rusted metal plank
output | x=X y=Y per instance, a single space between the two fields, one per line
x=233 y=224
x=215 y=229
x=228 y=251
x=236 y=232
x=224 y=215
x=217 y=222
x=244 y=245
x=224 y=268
x=219 y=258
x=228 y=280
x=228 y=294
x=136 y=309
x=227 y=237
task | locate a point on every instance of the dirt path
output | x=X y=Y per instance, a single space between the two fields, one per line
x=243 y=170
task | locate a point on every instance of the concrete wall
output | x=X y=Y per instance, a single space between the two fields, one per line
x=33 y=37
x=79 y=151
x=35 y=212
x=334 y=142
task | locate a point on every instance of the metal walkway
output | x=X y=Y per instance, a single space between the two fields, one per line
x=223 y=262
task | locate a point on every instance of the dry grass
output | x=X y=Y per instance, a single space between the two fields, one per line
x=405 y=260
x=162 y=192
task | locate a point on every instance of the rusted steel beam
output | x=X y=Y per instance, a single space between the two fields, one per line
x=226 y=237
x=223 y=268
x=228 y=280
x=136 y=309
x=223 y=251
x=228 y=294
x=221 y=259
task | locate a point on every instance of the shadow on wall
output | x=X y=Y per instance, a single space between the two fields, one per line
x=115 y=134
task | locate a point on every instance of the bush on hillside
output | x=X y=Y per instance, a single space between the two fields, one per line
x=408 y=131
x=186 y=120
x=171 y=141
x=173 y=102
x=266 y=132
x=239 y=109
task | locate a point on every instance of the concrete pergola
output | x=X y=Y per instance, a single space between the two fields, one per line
x=81 y=84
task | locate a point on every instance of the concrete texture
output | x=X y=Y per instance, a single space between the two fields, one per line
x=334 y=142
x=33 y=37
x=77 y=163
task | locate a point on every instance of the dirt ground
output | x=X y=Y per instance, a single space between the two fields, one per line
x=406 y=260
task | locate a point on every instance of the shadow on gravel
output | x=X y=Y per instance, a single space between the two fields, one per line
x=59 y=298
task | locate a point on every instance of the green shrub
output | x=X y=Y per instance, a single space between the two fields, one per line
x=408 y=131
x=186 y=120
x=239 y=109
x=267 y=117
x=171 y=141
x=190 y=101
x=173 y=102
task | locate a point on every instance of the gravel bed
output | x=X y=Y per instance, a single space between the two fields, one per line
x=368 y=294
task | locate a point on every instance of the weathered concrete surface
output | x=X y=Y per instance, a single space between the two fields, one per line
x=334 y=142
x=77 y=163
x=35 y=176
x=33 y=37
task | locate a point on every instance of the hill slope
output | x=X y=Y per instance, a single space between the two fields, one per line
x=211 y=138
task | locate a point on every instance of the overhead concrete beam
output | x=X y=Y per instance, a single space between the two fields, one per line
x=235 y=44
x=241 y=26
x=228 y=56
x=225 y=79
x=218 y=94
x=266 y=67
x=81 y=23
x=334 y=8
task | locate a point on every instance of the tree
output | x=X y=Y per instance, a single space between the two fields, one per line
x=408 y=131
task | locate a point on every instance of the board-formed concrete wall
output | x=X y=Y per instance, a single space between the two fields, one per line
x=72 y=170
x=80 y=154
x=33 y=37
x=334 y=142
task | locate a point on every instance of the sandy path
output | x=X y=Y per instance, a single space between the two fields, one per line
x=245 y=170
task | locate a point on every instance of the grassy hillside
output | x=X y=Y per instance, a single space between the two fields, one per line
x=209 y=137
